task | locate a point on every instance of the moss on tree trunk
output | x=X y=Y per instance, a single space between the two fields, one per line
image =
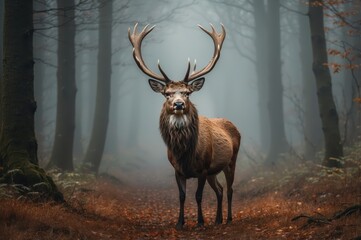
x=18 y=146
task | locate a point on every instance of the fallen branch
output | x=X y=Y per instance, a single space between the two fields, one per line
x=324 y=220
x=348 y=211
x=312 y=220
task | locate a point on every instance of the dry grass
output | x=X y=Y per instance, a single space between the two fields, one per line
x=263 y=208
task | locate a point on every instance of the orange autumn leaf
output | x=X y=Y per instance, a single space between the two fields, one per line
x=357 y=100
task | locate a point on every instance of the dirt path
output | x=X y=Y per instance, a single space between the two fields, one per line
x=104 y=210
x=151 y=213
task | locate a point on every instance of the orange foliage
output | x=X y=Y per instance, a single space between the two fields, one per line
x=357 y=100
x=335 y=67
x=343 y=16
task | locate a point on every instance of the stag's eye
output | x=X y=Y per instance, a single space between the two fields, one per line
x=168 y=95
x=186 y=94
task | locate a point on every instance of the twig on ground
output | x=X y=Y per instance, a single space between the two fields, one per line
x=324 y=220
x=348 y=211
x=312 y=220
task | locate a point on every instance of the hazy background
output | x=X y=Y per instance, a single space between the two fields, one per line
x=231 y=90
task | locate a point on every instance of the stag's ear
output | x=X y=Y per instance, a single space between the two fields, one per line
x=197 y=84
x=156 y=86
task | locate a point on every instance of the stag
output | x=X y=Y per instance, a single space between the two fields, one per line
x=197 y=147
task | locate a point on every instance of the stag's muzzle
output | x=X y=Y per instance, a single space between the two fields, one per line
x=178 y=106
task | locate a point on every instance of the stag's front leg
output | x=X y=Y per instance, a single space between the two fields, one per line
x=181 y=182
x=199 y=194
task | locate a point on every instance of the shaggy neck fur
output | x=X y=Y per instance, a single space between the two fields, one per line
x=180 y=134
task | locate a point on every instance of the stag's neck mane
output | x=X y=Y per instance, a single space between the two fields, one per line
x=180 y=134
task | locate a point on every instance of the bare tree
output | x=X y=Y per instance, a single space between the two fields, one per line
x=95 y=149
x=39 y=71
x=278 y=142
x=311 y=122
x=1 y=48
x=1 y=38
x=328 y=112
x=62 y=155
x=261 y=43
x=350 y=52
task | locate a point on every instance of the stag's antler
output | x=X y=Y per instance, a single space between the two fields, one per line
x=218 y=41
x=136 y=40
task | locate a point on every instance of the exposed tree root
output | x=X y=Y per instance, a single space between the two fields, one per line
x=324 y=220
x=348 y=211
x=312 y=220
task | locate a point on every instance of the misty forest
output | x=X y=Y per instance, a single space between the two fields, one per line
x=160 y=119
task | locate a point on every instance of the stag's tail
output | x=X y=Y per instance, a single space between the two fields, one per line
x=236 y=139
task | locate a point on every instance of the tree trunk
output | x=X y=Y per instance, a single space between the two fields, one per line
x=78 y=150
x=39 y=74
x=352 y=78
x=1 y=38
x=278 y=142
x=357 y=48
x=351 y=111
x=95 y=149
x=62 y=155
x=18 y=144
x=133 y=130
x=260 y=18
x=112 y=143
x=1 y=55
x=328 y=112
x=84 y=80
x=312 y=123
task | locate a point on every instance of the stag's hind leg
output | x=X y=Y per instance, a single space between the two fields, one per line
x=229 y=174
x=218 y=189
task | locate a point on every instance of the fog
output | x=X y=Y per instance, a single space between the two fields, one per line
x=231 y=90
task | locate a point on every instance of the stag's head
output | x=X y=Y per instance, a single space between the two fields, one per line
x=176 y=92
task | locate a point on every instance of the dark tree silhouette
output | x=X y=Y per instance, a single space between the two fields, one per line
x=278 y=142
x=1 y=38
x=1 y=47
x=349 y=17
x=328 y=112
x=62 y=155
x=18 y=146
x=312 y=123
x=261 y=43
x=39 y=71
x=95 y=149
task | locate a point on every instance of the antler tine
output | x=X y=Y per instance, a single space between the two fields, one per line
x=188 y=70
x=218 y=42
x=136 y=40
x=162 y=72
x=213 y=29
x=195 y=64
x=134 y=37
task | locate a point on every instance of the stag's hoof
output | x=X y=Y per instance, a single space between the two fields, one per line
x=229 y=220
x=200 y=224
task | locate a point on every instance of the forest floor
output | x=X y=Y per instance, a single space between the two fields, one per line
x=265 y=206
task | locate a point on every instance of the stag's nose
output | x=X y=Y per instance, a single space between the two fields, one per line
x=178 y=105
